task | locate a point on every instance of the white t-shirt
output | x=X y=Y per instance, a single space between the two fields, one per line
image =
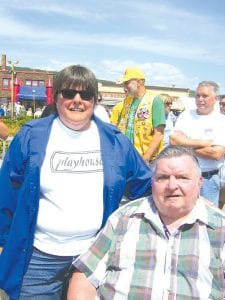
x=207 y=127
x=101 y=113
x=71 y=202
x=170 y=120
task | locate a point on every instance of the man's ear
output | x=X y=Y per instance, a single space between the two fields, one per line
x=200 y=182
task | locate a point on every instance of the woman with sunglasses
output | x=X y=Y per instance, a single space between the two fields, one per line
x=61 y=178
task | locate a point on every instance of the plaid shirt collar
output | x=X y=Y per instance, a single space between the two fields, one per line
x=199 y=212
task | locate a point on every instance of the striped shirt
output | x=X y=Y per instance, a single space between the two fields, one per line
x=134 y=258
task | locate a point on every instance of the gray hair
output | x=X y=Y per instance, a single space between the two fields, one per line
x=212 y=84
x=75 y=76
x=177 y=151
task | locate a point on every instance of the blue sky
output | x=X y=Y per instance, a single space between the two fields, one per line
x=175 y=42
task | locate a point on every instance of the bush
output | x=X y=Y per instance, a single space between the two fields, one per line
x=16 y=124
x=6 y=145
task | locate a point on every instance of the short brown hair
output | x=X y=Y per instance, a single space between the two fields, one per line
x=75 y=76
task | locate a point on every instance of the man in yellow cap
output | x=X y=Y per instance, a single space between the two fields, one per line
x=142 y=118
x=116 y=113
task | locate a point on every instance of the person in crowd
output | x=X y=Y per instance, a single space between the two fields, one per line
x=2 y=111
x=9 y=109
x=168 y=246
x=61 y=178
x=23 y=111
x=168 y=101
x=29 y=112
x=18 y=108
x=143 y=118
x=4 y=130
x=100 y=110
x=222 y=186
x=176 y=109
x=222 y=105
x=38 y=112
x=49 y=109
x=200 y=129
x=116 y=113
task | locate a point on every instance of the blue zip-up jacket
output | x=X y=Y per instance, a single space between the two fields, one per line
x=124 y=173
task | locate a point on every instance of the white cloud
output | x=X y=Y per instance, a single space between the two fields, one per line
x=156 y=73
x=47 y=8
x=186 y=43
x=50 y=34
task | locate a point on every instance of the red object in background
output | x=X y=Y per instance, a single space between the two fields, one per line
x=49 y=92
x=16 y=89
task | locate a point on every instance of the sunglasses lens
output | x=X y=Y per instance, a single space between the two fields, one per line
x=70 y=94
x=86 y=95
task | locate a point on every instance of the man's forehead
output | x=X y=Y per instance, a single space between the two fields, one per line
x=128 y=81
x=205 y=89
x=176 y=162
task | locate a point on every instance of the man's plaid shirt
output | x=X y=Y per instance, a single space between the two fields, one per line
x=134 y=258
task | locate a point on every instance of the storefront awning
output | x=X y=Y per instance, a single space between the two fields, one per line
x=37 y=93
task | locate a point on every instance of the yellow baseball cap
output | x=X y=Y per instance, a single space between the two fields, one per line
x=131 y=73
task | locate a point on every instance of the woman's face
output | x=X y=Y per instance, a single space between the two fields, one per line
x=75 y=109
x=168 y=106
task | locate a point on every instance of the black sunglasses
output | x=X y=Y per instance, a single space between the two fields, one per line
x=70 y=94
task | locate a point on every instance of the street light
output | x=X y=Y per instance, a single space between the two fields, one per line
x=12 y=64
x=33 y=91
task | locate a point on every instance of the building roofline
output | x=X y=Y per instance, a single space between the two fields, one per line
x=26 y=69
x=152 y=87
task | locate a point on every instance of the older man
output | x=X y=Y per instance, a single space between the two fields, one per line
x=202 y=130
x=170 y=246
x=142 y=118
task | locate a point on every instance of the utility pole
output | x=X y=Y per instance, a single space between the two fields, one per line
x=12 y=64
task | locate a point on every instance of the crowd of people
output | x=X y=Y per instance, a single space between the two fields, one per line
x=64 y=233
x=20 y=110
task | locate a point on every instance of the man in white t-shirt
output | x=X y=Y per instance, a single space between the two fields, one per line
x=201 y=129
x=100 y=110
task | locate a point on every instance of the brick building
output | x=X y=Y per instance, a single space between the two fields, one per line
x=22 y=77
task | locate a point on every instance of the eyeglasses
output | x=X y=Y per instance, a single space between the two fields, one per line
x=177 y=112
x=169 y=103
x=222 y=104
x=71 y=93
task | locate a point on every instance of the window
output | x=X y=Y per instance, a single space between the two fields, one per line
x=6 y=84
x=28 y=82
x=35 y=82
